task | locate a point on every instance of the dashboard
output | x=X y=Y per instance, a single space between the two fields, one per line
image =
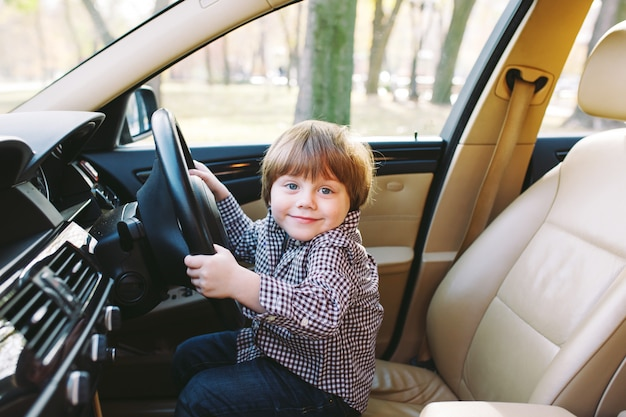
x=54 y=297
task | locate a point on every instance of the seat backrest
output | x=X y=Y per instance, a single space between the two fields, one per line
x=535 y=310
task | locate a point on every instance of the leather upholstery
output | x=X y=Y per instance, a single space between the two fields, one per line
x=490 y=409
x=535 y=310
x=602 y=88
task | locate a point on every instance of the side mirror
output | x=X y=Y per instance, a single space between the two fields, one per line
x=141 y=104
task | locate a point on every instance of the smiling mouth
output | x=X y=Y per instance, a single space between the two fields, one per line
x=301 y=219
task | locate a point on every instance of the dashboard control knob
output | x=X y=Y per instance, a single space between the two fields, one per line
x=78 y=388
x=112 y=318
x=99 y=351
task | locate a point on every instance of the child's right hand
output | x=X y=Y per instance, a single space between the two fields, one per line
x=220 y=276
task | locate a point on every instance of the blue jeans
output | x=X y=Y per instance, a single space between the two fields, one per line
x=214 y=384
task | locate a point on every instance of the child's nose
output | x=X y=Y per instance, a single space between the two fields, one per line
x=306 y=200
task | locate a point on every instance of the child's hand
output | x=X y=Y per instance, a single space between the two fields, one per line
x=220 y=276
x=218 y=189
x=211 y=274
x=200 y=166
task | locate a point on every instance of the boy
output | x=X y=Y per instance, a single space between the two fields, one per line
x=312 y=297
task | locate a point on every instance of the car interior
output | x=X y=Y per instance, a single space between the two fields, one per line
x=500 y=251
x=494 y=332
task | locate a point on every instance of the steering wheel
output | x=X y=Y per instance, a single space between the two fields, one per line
x=179 y=212
x=194 y=204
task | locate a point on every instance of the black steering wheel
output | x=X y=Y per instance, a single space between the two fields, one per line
x=194 y=204
x=179 y=212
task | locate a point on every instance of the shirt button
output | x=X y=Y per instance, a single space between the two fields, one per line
x=304 y=322
x=270 y=318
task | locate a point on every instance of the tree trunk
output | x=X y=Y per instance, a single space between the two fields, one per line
x=155 y=82
x=226 y=73
x=442 y=88
x=98 y=22
x=72 y=29
x=326 y=67
x=259 y=66
x=381 y=31
x=292 y=40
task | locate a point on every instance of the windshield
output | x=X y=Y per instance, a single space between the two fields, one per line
x=44 y=39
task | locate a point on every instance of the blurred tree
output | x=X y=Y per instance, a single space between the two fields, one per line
x=71 y=26
x=382 y=26
x=208 y=59
x=442 y=88
x=259 y=65
x=422 y=19
x=326 y=65
x=226 y=64
x=32 y=7
x=98 y=21
x=292 y=39
x=155 y=82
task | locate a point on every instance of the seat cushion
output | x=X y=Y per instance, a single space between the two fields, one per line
x=408 y=384
x=383 y=408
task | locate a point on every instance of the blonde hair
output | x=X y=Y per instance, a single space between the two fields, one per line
x=315 y=149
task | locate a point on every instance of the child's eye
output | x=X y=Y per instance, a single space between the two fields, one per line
x=291 y=186
x=326 y=190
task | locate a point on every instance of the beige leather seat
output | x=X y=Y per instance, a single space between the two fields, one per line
x=535 y=310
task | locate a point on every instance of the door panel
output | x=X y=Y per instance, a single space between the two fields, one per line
x=394 y=216
x=389 y=229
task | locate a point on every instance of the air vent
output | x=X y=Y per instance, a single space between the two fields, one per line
x=50 y=299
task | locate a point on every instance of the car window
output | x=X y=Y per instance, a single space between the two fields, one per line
x=243 y=87
x=66 y=33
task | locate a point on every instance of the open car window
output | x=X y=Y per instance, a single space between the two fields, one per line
x=243 y=88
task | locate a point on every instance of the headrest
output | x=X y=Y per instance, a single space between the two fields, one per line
x=602 y=89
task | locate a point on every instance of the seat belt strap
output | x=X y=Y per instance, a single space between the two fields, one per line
x=521 y=96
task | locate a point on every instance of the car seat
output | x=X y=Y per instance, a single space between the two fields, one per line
x=534 y=311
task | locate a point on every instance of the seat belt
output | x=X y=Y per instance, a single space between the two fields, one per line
x=521 y=96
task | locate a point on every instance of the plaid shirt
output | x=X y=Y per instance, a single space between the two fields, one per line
x=322 y=302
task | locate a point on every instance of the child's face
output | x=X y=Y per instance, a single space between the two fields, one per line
x=305 y=207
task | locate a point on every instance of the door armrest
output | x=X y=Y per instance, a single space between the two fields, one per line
x=492 y=409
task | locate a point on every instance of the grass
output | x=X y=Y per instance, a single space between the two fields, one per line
x=253 y=113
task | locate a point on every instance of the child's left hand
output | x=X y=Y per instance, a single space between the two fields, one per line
x=221 y=276
x=211 y=274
